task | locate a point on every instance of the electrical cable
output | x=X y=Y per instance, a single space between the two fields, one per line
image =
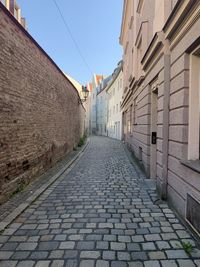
x=72 y=37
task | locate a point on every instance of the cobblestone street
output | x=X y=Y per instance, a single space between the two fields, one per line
x=100 y=214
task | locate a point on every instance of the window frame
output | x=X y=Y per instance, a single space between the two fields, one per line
x=194 y=106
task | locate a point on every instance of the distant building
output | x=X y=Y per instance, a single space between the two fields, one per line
x=15 y=10
x=102 y=102
x=87 y=104
x=98 y=103
x=92 y=103
x=114 y=94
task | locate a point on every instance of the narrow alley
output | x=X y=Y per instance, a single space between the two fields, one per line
x=102 y=213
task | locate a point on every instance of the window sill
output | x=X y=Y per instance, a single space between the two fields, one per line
x=192 y=164
x=140 y=80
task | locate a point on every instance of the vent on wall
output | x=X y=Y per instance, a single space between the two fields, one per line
x=193 y=213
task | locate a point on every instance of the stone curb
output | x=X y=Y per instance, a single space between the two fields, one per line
x=14 y=214
x=137 y=168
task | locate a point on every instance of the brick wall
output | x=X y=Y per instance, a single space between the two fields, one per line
x=40 y=115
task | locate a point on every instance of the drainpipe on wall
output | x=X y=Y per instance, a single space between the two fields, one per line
x=166 y=102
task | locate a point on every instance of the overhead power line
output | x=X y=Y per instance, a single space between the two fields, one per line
x=72 y=37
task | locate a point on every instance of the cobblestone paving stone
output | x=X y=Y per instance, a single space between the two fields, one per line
x=16 y=200
x=98 y=215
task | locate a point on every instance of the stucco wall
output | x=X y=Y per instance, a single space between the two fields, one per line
x=181 y=179
x=102 y=113
x=167 y=60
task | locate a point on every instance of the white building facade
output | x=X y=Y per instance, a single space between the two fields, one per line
x=92 y=102
x=102 y=103
x=115 y=92
x=102 y=113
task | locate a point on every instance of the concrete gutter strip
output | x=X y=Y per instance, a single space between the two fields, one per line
x=14 y=214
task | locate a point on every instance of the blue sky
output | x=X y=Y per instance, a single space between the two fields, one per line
x=95 y=25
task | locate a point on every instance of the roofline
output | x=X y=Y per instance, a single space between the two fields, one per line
x=105 y=85
x=95 y=78
x=123 y=20
x=7 y=12
x=102 y=90
x=70 y=77
x=113 y=80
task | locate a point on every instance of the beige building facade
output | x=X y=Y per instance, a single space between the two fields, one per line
x=161 y=98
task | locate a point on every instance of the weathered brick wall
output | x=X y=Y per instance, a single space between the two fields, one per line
x=40 y=115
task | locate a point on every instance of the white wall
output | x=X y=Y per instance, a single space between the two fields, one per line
x=102 y=113
x=115 y=92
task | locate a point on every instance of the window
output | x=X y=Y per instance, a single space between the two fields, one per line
x=194 y=107
x=117 y=108
x=113 y=110
x=159 y=18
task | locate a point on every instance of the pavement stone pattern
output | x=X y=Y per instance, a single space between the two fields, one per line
x=98 y=215
x=16 y=200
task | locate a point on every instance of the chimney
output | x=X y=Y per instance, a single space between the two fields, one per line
x=12 y=7
x=23 y=23
x=18 y=13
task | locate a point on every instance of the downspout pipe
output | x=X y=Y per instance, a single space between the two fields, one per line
x=166 y=109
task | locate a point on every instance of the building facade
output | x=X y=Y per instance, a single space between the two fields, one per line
x=114 y=93
x=161 y=97
x=102 y=102
x=92 y=103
